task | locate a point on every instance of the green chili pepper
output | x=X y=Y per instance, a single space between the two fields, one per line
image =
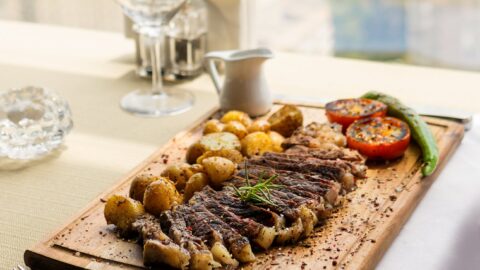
x=420 y=130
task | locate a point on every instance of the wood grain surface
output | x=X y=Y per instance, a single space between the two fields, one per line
x=355 y=237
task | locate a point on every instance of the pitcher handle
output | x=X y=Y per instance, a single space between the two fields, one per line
x=213 y=72
x=209 y=63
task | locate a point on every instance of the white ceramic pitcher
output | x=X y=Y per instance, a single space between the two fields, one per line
x=244 y=87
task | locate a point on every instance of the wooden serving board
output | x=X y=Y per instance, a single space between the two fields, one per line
x=355 y=237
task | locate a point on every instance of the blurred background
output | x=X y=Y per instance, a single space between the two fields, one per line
x=440 y=33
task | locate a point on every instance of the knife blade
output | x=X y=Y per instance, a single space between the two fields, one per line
x=460 y=116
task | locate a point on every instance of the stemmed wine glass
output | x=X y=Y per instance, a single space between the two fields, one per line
x=150 y=16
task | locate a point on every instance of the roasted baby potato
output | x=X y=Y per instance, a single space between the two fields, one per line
x=212 y=142
x=196 y=183
x=256 y=143
x=193 y=152
x=237 y=116
x=220 y=140
x=259 y=125
x=218 y=169
x=233 y=155
x=160 y=195
x=277 y=140
x=179 y=174
x=122 y=212
x=138 y=186
x=196 y=168
x=286 y=120
x=236 y=128
x=213 y=126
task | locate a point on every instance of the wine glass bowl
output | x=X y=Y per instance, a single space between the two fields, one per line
x=154 y=13
x=150 y=16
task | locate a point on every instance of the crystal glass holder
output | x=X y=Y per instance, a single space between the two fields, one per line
x=33 y=122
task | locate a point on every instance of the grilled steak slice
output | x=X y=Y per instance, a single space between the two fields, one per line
x=245 y=210
x=331 y=153
x=282 y=196
x=256 y=232
x=202 y=229
x=357 y=169
x=300 y=185
x=308 y=209
x=327 y=172
x=287 y=232
x=280 y=207
x=173 y=223
x=158 y=248
x=237 y=244
x=331 y=170
x=199 y=228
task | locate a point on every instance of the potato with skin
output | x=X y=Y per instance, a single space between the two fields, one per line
x=256 y=143
x=236 y=128
x=212 y=142
x=277 y=140
x=218 y=141
x=196 y=183
x=213 y=126
x=122 y=212
x=286 y=120
x=160 y=195
x=196 y=168
x=239 y=116
x=259 y=125
x=179 y=174
x=218 y=169
x=193 y=152
x=233 y=155
x=138 y=186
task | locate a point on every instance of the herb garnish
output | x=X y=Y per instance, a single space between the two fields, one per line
x=258 y=193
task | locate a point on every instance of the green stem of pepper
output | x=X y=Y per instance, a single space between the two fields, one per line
x=421 y=133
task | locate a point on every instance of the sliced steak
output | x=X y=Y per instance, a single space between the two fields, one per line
x=173 y=222
x=309 y=210
x=158 y=248
x=237 y=244
x=300 y=185
x=327 y=153
x=357 y=169
x=261 y=235
x=245 y=210
x=202 y=229
x=280 y=206
x=326 y=171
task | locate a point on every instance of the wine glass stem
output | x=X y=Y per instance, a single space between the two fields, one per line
x=156 y=61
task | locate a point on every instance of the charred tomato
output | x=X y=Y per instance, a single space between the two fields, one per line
x=379 y=137
x=347 y=111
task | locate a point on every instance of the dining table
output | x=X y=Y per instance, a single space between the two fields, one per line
x=92 y=70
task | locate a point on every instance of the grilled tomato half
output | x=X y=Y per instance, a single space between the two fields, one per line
x=379 y=137
x=347 y=111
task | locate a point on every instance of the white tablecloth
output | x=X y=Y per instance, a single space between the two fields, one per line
x=444 y=230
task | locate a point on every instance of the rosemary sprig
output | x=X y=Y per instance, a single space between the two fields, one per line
x=258 y=193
